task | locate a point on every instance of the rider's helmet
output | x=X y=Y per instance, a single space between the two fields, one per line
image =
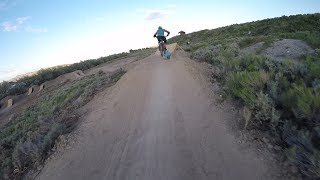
x=159 y=27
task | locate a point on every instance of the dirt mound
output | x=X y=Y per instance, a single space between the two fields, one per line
x=75 y=75
x=7 y=102
x=10 y=103
x=70 y=76
x=289 y=49
x=41 y=87
x=33 y=89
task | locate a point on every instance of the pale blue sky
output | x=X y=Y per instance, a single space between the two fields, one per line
x=42 y=33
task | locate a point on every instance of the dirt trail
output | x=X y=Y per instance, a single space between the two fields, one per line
x=156 y=123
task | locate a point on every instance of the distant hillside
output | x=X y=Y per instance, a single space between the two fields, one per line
x=33 y=73
x=23 y=82
x=22 y=76
x=304 y=27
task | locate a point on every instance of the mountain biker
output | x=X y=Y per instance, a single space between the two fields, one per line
x=160 y=35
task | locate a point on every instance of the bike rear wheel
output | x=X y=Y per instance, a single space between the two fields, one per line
x=161 y=49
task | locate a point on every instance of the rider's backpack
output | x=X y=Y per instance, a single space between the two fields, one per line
x=168 y=54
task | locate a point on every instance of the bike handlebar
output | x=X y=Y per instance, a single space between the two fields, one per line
x=157 y=36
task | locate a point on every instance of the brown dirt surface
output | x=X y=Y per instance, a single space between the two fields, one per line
x=160 y=121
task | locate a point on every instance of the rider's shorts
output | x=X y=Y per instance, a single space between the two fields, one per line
x=162 y=38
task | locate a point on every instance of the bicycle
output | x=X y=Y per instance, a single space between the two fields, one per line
x=162 y=49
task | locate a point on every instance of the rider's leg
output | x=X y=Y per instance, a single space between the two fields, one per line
x=165 y=43
x=159 y=45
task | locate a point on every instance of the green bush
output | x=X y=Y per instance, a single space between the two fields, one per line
x=303 y=102
x=4 y=86
x=292 y=69
x=230 y=65
x=273 y=89
x=244 y=85
x=313 y=67
x=251 y=40
x=301 y=151
x=231 y=50
x=252 y=62
x=207 y=54
x=264 y=112
x=247 y=41
x=311 y=37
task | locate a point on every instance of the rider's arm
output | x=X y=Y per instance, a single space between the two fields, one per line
x=166 y=32
x=155 y=34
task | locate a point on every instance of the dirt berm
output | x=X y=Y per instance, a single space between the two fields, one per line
x=156 y=123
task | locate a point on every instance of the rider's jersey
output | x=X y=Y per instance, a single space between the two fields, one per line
x=160 y=32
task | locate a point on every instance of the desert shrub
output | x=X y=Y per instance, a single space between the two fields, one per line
x=196 y=46
x=312 y=37
x=252 y=62
x=230 y=50
x=292 y=69
x=4 y=86
x=250 y=40
x=264 y=112
x=207 y=54
x=244 y=85
x=229 y=65
x=301 y=151
x=17 y=88
x=24 y=154
x=224 y=66
x=273 y=88
x=304 y=103
x=261 y=113
x=313 y=67
x=247 y=41
x=316 y=83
